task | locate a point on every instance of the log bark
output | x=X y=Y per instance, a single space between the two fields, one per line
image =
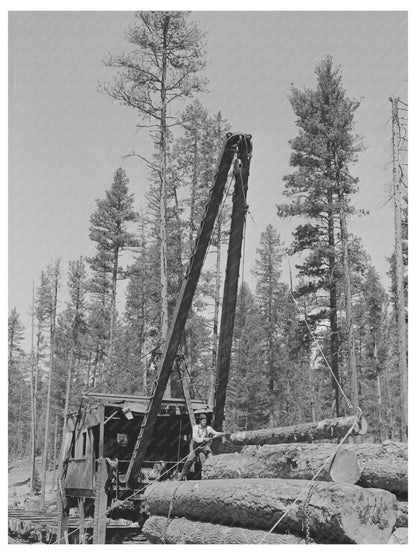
x=402 y=514
x=160 y=529
x=331 y=428
x=335 y=513
x=294 y=461
x=384 y=465
x=400 y=535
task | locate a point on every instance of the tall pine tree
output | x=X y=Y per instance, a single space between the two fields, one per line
x=320 y=191
x=109 y=230
x=162 y=68
x=268 y=292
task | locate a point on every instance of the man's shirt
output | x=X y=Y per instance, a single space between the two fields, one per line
x=200 y=433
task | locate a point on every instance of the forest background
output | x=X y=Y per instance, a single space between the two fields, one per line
x=91 y=317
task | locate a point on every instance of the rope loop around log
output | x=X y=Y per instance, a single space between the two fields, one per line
x=312 y=482
x=169 y=517
x=306 y=513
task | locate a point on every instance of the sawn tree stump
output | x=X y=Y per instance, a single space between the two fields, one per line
x=334 y=513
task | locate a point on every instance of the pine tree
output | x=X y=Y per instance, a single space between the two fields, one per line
x=109 y=230
x=15 y=337
x=76 y=316
x=268 y=290
x=38 y=355
x=320 y=189
x=162 y=68
x=51 y=294
x=141 y=295
x=247 y=405
x=17 y=388
x=371 y=317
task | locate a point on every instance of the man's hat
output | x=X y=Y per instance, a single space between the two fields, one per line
x=202 y=417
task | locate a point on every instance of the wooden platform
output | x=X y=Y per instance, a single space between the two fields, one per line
x=42 y=527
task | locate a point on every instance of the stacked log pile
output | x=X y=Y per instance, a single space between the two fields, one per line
x=383 y=465
x=333 y=513
x=371 y=465
x=245 y=493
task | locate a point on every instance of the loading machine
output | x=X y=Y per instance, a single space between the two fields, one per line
x=113 y=450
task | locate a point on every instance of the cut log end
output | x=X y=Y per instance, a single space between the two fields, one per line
x=345 y=468
x=362 y=426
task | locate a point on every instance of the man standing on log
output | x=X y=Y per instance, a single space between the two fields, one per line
x=200 y=444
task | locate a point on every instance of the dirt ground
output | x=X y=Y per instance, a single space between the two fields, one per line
x=19 y=484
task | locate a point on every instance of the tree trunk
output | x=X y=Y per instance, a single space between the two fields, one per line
x=311 y=390
x=35 y=402
x=20 y=422
x=163 y=201
x=163 y=195
x=113 y=305
x=333 y=307
x=379 y=407
x=294 y=461
x=32 y=427
x=55 y=444
x=217 y=301
x=348 y=303
x=194 y=184
x=46 y=436
x=399 y=273
x=32 y=397
x=334 y=513
x=331 y=428
x=159 y=529
x=51 y=368
x=383 y=466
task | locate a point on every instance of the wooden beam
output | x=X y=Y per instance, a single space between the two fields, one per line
x=235 y=142
x=180 y=364
x=63 y=514
x=81 y=531
x=238 y=218
x=100 y=503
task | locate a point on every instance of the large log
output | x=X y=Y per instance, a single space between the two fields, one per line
x=294 y=461
x=160 y=529
x=335 y=513
x=331 y=428
x=384 y=465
